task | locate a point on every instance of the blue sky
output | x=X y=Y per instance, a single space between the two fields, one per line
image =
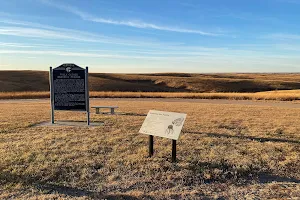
x=139 y=36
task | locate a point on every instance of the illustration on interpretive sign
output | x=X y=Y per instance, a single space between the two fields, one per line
x=176 y=122
x=169 y=130
x=163 y=124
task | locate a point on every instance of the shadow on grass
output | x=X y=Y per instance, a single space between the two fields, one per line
x=50 y=188
x=133 y=114
x=228 y=174
x=224 y=172
x=259 y=139
x=66 y=123
x=125 y=114
x=268 y=178
x=207 y=172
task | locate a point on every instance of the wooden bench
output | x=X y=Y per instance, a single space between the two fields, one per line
x=112 y=109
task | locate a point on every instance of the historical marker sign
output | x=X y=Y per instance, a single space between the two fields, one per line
x=69 y=91
x=163 y=124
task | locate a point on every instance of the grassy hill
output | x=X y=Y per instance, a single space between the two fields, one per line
x=17 y=81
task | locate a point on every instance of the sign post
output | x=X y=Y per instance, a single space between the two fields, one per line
x=173 y=150
x=163 y=124
x=87 y=96
x=51 y=94
x=69 y=89
x=151 y=151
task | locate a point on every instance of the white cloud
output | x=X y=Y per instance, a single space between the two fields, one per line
x=288 y=47
x=118 y=55
x=283 y=36
x=18 y=45
x=200 y=62
x=75 y=54
x=130 y=23
x=24 y=45
x=36 y=30
x=140 y=24
x=33 y=32
x=197 y=57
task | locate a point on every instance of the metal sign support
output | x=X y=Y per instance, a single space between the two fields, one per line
x=51 y=94
x=87 y=96
x=173 y=150
x=151 y=150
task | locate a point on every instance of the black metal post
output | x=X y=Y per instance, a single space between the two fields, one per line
x=173 y=150
x=87 y=95
x=151 y=145
x=51 y=94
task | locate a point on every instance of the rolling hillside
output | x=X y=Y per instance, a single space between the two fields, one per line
x=17 y=81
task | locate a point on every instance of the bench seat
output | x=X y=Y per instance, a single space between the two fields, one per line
x=112 y=109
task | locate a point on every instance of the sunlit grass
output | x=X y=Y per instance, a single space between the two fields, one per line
x=228 y=151
x=284 y=95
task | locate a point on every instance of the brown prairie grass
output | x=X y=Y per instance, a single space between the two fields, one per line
x=283 y=95
x=19 y=81
x=225 y=151
x=24 y=95
x=290 y=95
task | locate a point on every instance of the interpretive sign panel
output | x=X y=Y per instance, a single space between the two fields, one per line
x=69 y=91
x=163 y=124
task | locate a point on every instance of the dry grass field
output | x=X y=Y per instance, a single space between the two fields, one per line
x=224 y=152
x=29 y=81
x=282 y=95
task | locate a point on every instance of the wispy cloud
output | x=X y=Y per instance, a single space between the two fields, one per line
x=250 y=17
x=33 y=32
x=140 y=24
x=30 y=29
x=283 y=36
x=288 y=47
x=36 y=30
x=24 y=45
x=18 y=45
x=165 y=57
x=76 y=54
x=170 y=56
x=159 y=52
x=131 y=23
x=234 y=63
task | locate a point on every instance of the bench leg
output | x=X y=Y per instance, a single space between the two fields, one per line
x=97 y=111
x=112 y=111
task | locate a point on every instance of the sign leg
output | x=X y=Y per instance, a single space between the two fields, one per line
x=88 y=117
x=151 y=145
x=52 y=115
x=87 y=95
x=173 y=150
x=51 y=94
